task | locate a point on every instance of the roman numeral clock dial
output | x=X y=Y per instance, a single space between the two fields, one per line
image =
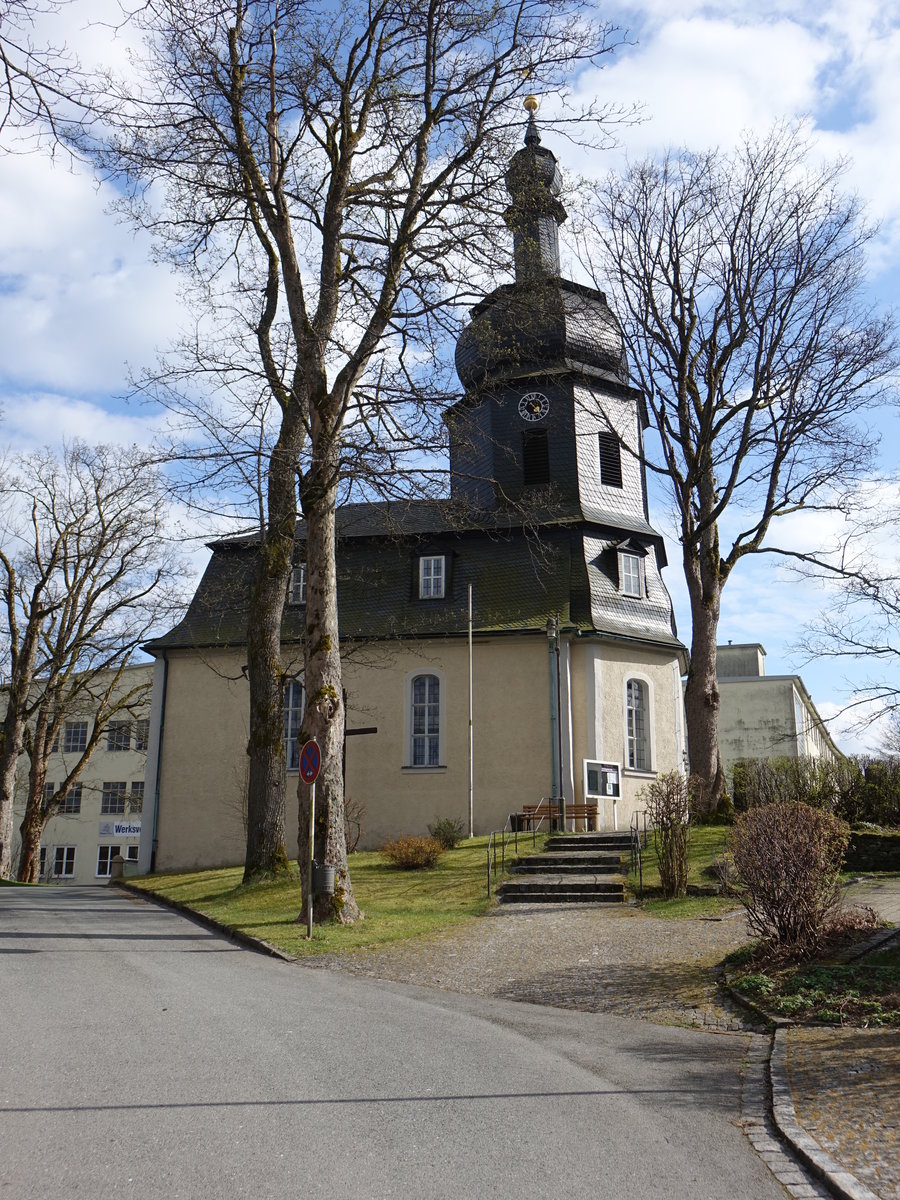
x=534 y=406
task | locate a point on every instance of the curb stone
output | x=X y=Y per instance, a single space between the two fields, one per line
x=235 y=935
x=807 y=1149
x=835 y=1177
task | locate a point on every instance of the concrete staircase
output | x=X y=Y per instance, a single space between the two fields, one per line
x=574 y=868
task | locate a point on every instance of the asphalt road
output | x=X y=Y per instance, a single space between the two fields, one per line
x=145 y=1057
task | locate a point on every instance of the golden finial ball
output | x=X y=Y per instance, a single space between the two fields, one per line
x=531 y=103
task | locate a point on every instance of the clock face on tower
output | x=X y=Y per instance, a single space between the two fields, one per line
x=534 y=406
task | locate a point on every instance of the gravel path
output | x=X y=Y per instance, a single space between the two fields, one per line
x=606 y=959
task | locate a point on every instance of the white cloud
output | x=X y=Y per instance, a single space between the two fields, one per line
x=79 y=294
x=705 y=79
x=35 y=419
x=858 y=728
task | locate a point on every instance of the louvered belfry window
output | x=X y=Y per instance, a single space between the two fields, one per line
x=535 y=458
x=610 y=460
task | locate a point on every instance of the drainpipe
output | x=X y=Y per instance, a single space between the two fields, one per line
x=148 y=863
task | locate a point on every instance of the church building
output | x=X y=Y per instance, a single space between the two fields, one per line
x=575 y=667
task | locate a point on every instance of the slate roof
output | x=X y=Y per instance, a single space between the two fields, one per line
x=521 y=574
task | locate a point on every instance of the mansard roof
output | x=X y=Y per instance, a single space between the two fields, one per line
x=522 y=572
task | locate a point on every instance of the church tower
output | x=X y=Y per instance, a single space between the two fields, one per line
x=549 y=425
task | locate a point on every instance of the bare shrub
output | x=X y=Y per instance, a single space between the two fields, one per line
x=669 y=800
x=413 y=853
x=448 y=832
x=788 y=856
x=354 y=815
x=724 y=871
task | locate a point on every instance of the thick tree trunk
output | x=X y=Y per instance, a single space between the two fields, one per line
x=13 y=735
x=266 y=854
x=324 y=715
x=701 y=696
x=32 y=830
x=37 y=814
x=7 y=791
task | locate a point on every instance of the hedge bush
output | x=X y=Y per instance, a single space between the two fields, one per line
x=856 y=789
x=447 y=831
x=413 y=853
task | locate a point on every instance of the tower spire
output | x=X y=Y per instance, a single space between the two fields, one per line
x=532 y=133
x=534 y=183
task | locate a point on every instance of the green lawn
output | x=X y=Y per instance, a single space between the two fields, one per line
x=707 y=842
x=398 y=904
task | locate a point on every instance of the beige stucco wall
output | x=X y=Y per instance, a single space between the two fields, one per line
x=203 y=761
x=599 y=674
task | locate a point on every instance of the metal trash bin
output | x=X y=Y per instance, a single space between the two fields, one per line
x=323 y=879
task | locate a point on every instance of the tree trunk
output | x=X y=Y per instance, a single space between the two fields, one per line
x=34 y=822
x=8 y=763
x=701 y=696
x=12 y=740
x=324 y=715
x=32 y=829
x=266 y=854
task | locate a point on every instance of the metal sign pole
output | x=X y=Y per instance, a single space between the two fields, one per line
x=309 y=861
x=310 y=761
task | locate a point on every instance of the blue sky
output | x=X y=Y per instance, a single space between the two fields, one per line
x=81 y=298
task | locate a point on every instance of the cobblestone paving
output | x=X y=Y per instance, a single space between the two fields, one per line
x=595 y=959
x=846 y=1085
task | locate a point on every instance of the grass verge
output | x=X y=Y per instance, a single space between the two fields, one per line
x=397 y=904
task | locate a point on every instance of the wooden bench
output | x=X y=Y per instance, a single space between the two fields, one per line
x=532 y=814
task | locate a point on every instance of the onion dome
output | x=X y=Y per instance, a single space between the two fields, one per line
x=541 y=323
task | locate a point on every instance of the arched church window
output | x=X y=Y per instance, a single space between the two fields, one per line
x=637 y=725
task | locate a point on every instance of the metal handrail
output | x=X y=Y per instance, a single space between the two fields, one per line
x=638 y=831
x=502 y=838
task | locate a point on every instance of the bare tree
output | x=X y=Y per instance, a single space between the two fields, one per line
x=41 y=85
x=861 y=617
x=739 y=280
x=321 y=166
x=87 y=572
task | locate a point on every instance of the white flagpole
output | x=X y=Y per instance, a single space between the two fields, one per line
x=471 y=727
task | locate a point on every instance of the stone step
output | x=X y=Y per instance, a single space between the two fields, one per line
x=555 y=889
x=571 y=863
x=565 y=883
x=560 y=898
x=610 y=842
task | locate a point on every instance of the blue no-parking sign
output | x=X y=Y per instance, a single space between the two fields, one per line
x=310 y=762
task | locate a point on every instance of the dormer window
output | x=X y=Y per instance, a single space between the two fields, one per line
x=632 y=581
x=297 y=589
x=631 y=575
x=432 y=577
